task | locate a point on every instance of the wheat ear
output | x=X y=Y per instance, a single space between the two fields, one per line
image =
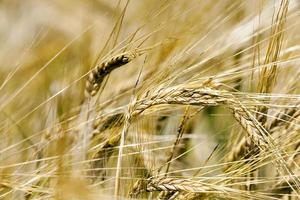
x=245 y=147
x=97 y=74
x=194 y=187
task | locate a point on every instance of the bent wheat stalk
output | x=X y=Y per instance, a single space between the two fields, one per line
x=245 y=147
x=211 y=97
x=206 y=96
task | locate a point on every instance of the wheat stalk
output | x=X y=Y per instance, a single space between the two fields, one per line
x=245 y=148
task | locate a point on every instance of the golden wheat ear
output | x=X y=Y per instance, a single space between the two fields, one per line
x=97 y=74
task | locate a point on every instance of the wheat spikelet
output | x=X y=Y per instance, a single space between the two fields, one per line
x=245 y=146
x=97 y=74
x=184 y=96
x=195 y=189
x=173 y=184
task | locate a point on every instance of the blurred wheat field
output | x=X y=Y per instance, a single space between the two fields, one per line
x=149 y=99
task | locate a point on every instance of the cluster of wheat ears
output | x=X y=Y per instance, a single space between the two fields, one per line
x=150 y=99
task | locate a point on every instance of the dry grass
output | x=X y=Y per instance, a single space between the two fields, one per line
x=149 y=99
